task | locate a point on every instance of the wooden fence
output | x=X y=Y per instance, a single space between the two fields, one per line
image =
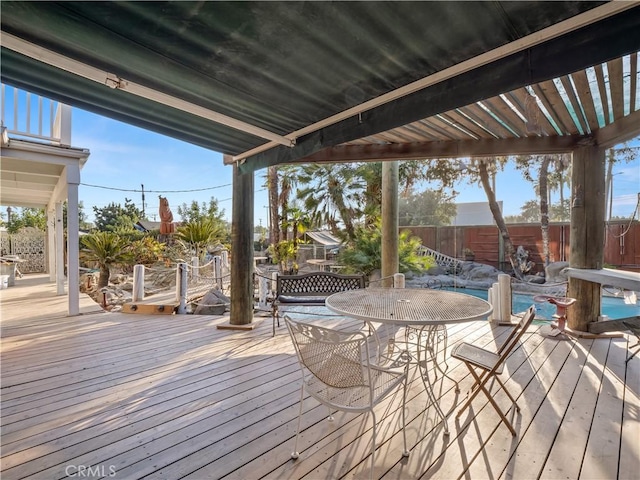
x=622 y=246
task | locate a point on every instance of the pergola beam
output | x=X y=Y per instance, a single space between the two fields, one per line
x=622 y=130
x=590 y=45
x=446 y=149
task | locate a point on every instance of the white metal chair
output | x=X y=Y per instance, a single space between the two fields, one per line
x=635 y=329
x=491 y=365
x=337 y=372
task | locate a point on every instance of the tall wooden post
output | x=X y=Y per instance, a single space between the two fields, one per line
x=73 y=242
x=242 y=249
x=587 y=232
x=390 y=215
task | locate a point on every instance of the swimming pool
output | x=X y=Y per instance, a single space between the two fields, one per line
x=611 y=306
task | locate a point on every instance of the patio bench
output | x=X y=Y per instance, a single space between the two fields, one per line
x=310 y=289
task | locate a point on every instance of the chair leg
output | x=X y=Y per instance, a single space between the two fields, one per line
x=405 y=452
x=634 y=353
x=475 y=388
x=481 y=382
x=295 y=453
x=504 y=388
x=505 y=420
x=373 y=445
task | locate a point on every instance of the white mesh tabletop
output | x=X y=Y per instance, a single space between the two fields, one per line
x=409 y=306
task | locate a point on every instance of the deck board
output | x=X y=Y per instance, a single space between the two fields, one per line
x=602 y=453
x=629 y=465
x=553 y=387
x=172 y=396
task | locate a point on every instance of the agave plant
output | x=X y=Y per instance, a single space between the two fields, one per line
x=107 y=249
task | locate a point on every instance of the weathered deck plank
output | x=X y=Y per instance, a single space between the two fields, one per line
x=629 y=456
x=602 y=452
x=173 y=397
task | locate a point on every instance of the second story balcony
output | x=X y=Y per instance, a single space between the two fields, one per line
x=31 y=117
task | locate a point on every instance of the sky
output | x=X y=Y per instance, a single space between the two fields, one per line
x=124 y=157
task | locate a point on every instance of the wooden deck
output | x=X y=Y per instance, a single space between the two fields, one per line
x=135 y=396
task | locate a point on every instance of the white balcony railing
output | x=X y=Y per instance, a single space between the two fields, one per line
x=29 y=116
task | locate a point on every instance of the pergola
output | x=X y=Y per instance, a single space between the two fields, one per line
x=268 y=83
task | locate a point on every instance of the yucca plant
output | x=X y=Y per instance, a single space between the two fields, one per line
x=106 y=249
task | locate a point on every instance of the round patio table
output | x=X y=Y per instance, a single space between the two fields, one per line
x=419 y=310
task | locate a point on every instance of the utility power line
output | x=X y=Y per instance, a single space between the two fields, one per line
x=135 y=190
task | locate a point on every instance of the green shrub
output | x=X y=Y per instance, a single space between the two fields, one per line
x=365 y=253
x=147 y=251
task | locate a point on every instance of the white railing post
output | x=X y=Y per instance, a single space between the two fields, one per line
x=274 y=283
x=398 y=280
x=62 y=125
x=138 y=283
x=494 y=300
x=181 y=287
x=504 y=283
x=217 y=270
x=195 y=271
x=225 y=258
x=263 y=288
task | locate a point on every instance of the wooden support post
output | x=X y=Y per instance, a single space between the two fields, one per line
x=242 y=249
x=389 y=261
x=587 y=233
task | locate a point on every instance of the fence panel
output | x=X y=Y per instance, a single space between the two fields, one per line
x=622 y=247
x=30 y=245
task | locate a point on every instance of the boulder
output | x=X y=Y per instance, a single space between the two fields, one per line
x=537 y=279
x=482 y=272
x=214 y=302
x=437 y=270
x=555 y=272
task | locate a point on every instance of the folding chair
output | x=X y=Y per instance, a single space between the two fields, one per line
x=491 y=365
x=337 y=372
x=635 y=329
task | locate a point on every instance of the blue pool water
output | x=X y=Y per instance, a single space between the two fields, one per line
x=611 y=306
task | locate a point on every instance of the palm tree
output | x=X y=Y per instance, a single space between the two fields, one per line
x=331 y=195
x=558 y=178
x=299 y=222
x=287 y=176
x=409 y=173
x=107 y=249
x=543 y=182
x=485 y=167
x=199 y=234
x=272 y=186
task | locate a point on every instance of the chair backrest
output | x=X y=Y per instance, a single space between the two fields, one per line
x=514 y=337
x=318 y=282
x=633 y=327
x=338 y=359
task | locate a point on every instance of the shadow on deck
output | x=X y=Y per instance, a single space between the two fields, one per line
x=174 y=397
